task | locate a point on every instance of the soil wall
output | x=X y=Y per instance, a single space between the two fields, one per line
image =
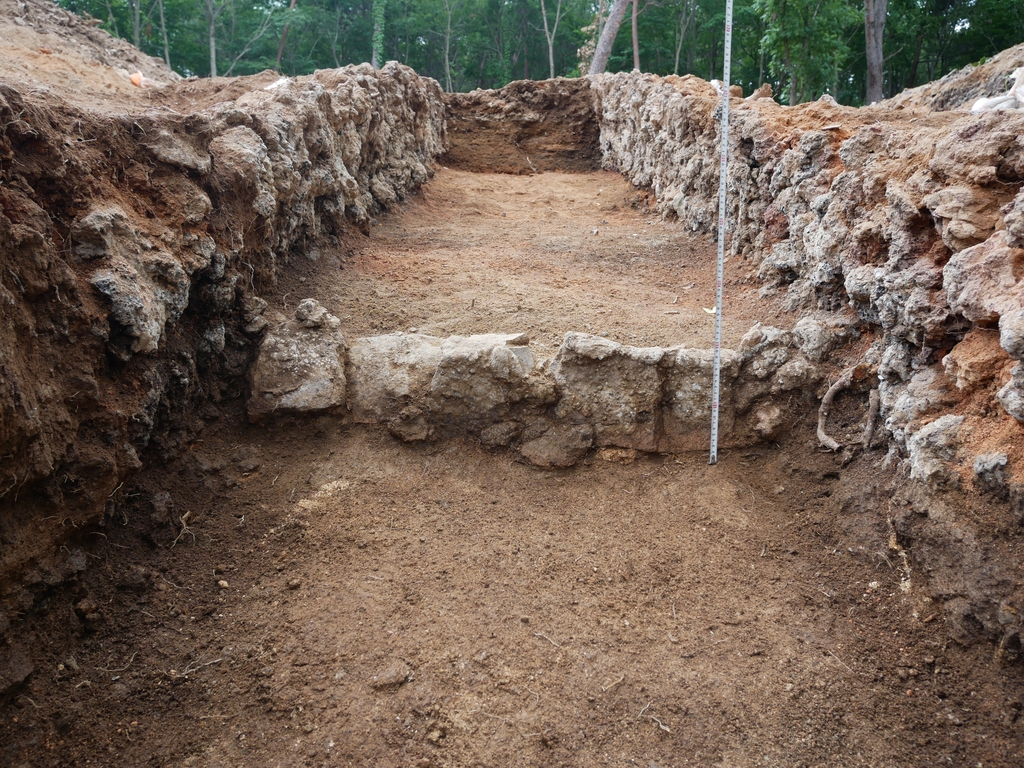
x=525 y=127
x=133 y=246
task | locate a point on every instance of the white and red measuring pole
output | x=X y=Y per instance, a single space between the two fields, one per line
x=716 y=379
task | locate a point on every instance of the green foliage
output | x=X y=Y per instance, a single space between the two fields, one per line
x=802 y=47
x=806 y=41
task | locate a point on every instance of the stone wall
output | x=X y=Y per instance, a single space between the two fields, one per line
x=915 y=220
x=594 y=393
x=134 y=245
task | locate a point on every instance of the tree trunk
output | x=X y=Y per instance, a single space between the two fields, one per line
x=607 y=39
x=378 y=10
x=874 y=28
x=448 y=46
x=211 y=30
x=163 y=33
x=284 y=39
x=636 y=39
x=549 y=33
x=136 y=9
x=912 y=79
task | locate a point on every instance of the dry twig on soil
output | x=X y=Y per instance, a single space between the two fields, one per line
x=184 y=520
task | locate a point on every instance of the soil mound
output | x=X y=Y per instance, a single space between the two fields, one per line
x=49 y=48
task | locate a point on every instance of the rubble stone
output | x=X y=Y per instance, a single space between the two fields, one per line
x=614 y=387
x=931 y=449
x=560 y=447
x=299 y=369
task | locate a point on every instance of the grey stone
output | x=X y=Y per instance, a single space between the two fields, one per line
x=990 y=473
x=614 y=387
x=173 y=150
x=984 y=282
x=96 y=234
x=311 y=313
x=560 y=447
x=964 y=216
x=501 y=434
x=931 y=449
x=1011 y=395
x=1011 y=333
x=388 y=373
x=145 y=293
x=478 y=378
x=410 y=425
x=298 y=370
x=688 y=375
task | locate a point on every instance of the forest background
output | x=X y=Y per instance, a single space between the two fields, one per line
x=803 y=48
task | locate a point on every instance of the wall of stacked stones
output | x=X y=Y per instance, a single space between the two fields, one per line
x=913 y=219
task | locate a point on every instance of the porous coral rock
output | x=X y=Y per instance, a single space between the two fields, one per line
x=299 y=368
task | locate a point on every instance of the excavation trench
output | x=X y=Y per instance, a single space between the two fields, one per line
x=497 y=541
x=311 y=591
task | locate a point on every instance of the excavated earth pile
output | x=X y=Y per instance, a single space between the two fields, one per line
x=304 y=464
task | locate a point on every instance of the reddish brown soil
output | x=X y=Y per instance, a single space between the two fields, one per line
x=313 y=593
x=544 y=254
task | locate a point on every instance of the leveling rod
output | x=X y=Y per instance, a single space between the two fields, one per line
x=716 y=379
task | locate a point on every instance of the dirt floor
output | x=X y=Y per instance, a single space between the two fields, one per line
x=543 y=254
x=313 y=593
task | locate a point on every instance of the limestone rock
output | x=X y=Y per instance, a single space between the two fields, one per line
x=929 y=390
x=168 y=147
x=96 y=234
x=765 y=349
x=388 y=373
x=975 y=361
x=501 y=434
x=990 y=473
x=392 y=676
x=145 y=292
x=964 y=216
x=985 y=281
x=614 y=387
x=312 y=314
x=479 y=377
x=688 y=375
x=1011 y=333
x=768 y=420
x=298 y=369
x=932 y=447
x=410 y=425
x=1011 y=396
x=1014 y=221
x=561 y=446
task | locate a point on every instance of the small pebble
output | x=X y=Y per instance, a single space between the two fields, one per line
x=294 y=583
x=222 y=584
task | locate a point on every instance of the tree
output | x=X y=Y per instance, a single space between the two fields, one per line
x=806 y=42
x=636 y=38
x=212 y=10
x=607 y=39
x=379 y=9
x=550 y=35
x=874 y=28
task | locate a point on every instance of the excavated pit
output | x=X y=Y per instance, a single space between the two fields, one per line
x=192 y=579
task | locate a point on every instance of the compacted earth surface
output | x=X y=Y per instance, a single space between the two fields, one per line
x=310 y=592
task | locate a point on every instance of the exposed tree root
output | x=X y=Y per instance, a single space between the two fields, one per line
x=843 y=382
x=869 y=428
